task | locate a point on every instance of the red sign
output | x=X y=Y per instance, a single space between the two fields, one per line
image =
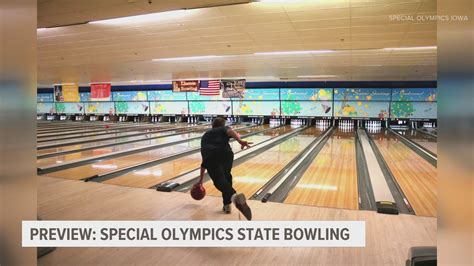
x=185 y=85
x=100 y=92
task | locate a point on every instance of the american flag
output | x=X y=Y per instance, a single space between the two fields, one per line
x=210 y=87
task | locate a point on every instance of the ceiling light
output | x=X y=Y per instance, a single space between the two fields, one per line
x=279 y=1
x=99 y=82
x=295 y=52
x=189 y=58
x=410 y=48
x=64 y=84
x=168 y=15
x=317 y=76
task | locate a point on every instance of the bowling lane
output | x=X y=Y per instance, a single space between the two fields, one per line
x=83 y=130
x=71 y=125
x=108 y=165
x=148 y=177
x=112 y=141
x=113 y=135
x=331 y=179
x=90 y=127
x=66 y=128
x=416 y=177
x=251 y=175
x=110 y=149
x=101 y=133
x=426 y=141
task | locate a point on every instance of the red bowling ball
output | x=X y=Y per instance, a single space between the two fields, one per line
x=198 y=192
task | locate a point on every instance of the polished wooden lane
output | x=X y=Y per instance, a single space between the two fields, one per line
x=151 y=176
x=69 y=127
x=112 y=135
x=110 y=149
x=251 y=175
x=108 y=165
x=388 y=237
x=103 y=128
x=103 y=133
x=416 y=177
x=331 y=179
x=118 y=140
x=426 y=141
x=68 y=124
x=79 y=125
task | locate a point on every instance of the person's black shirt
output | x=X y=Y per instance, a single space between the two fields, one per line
x=214 y=141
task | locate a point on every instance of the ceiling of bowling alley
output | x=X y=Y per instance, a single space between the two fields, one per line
x=54 y=13
x=359 y=35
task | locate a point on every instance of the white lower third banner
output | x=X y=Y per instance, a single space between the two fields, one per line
x=193 y=234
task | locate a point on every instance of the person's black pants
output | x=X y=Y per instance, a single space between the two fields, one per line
x=219 y=167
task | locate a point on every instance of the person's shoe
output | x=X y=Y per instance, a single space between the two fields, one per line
x=227 y=208
x=241 y=204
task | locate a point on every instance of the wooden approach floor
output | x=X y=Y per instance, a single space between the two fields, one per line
x=388 y=237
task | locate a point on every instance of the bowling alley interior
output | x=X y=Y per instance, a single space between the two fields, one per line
x=338 y=98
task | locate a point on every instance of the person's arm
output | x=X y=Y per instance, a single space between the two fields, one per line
x=201 y=174
x=231 y=133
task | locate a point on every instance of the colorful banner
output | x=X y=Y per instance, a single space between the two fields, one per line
x=69 y=108
x=132 y=108
x=70 y=93
x=233 y=88
x=414 y=110
x=44 y=97
x=85 y=96
x=301 y=94
x=256 y=108
x=169 y=108
x=414 y=94
x=262 y=94
x=129 y=96
x=166 y=95
x=185 y=85
x=45 y=108
x=361 y=109
x=100 y=108
x=100 y=92
x=306 y=108
x=210 y=108
x=364 y=94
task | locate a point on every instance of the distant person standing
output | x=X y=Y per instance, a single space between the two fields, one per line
x=217 y=158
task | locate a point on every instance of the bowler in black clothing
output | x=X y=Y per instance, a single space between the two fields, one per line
x=217 y=159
